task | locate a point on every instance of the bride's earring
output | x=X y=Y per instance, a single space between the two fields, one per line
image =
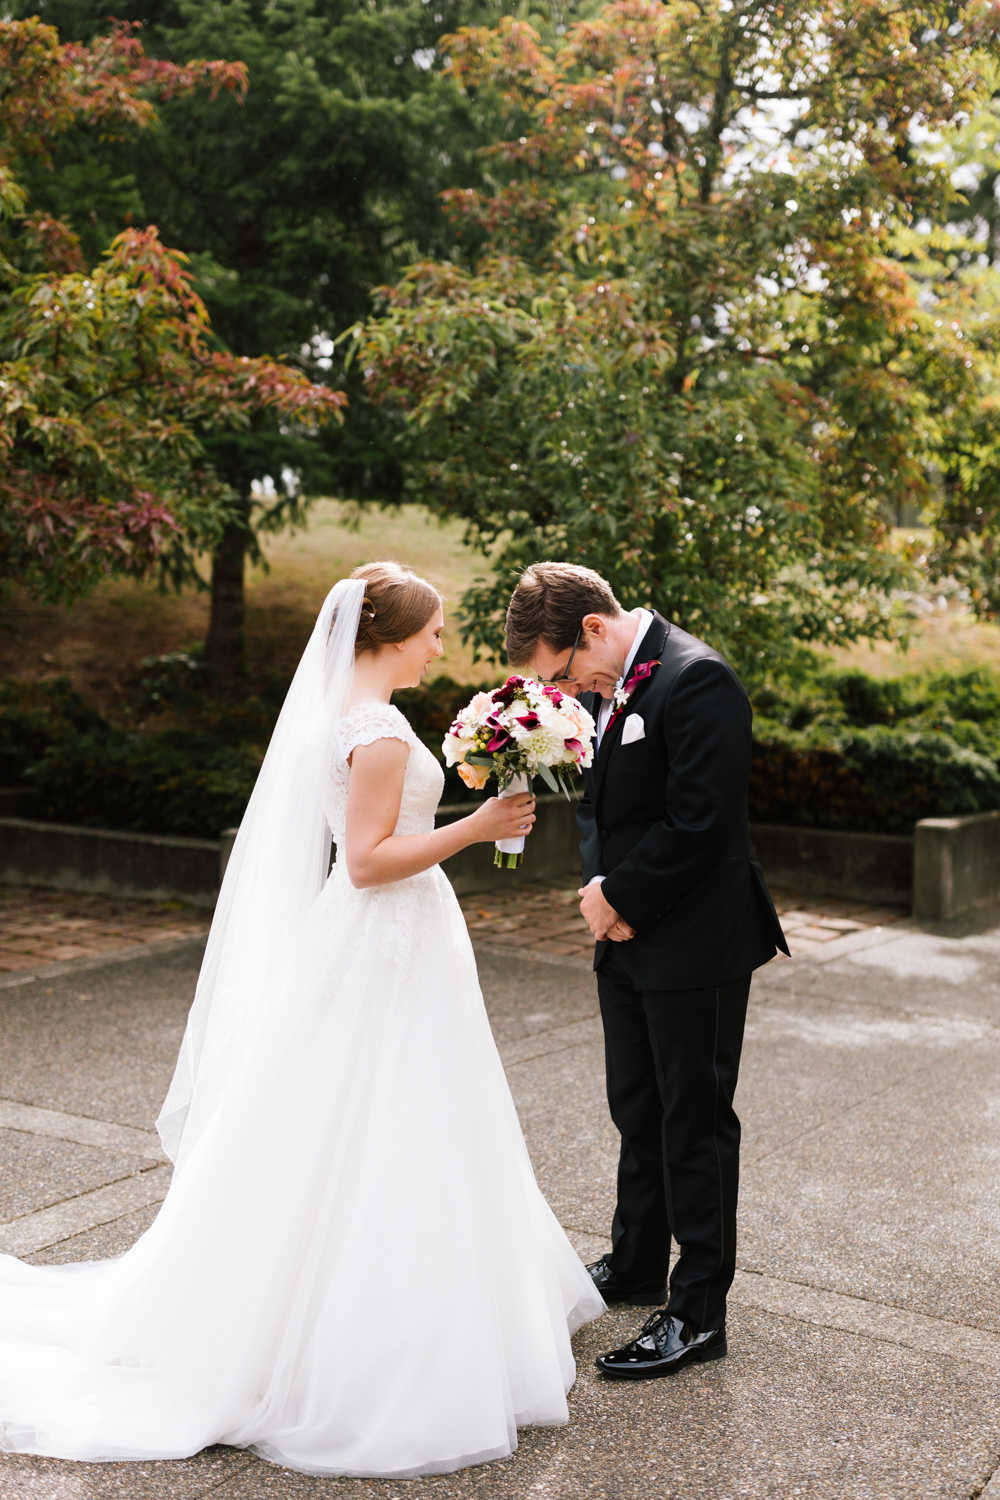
x=400 y=645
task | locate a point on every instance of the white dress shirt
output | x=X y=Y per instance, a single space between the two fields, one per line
x=604 y=712
x=607 y=704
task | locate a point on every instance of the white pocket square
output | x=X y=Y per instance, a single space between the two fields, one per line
x=634 y=729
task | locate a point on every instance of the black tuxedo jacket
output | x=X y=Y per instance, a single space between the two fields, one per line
x=664 y=819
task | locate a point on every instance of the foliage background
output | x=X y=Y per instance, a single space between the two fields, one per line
x=697 y=334
x=110 y=390
x=704 y=303
x=841 y=750
x=293 y=204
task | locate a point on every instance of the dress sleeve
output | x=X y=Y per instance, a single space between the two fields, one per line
x=370 y=722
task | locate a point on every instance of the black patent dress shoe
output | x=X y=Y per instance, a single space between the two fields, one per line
x=664 y=1346
x=612 y=1289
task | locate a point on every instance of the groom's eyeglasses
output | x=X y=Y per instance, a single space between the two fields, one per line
x=565 y=676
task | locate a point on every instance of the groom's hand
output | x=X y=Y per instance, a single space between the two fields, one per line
x=601 y=918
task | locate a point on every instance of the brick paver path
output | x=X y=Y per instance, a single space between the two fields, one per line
x=41 y=927
x=547 y=918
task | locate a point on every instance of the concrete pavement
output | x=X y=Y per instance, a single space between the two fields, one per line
x=865 y=1322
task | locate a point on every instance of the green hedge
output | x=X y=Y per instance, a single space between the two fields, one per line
x=177 y=782
x=831 y=750
x=189 y=782
x=872 y=780
x=963 y=705
x=846 y=750
x=35 y=716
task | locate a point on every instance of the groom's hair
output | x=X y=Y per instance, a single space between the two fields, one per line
x=548 y=605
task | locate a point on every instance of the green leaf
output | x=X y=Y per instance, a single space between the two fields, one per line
x=548 y=778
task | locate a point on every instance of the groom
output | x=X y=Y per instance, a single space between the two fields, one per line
x=678 y=904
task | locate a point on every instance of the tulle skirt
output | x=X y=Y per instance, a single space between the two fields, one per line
x=354 y=1271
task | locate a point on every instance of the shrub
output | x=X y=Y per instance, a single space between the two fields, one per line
x=875 y=780
x=832 y=750
x=191 y=782
x=178 y=679
x=177 y=782
x=945 y=701
x=36 y=715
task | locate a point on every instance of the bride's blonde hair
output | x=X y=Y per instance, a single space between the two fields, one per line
x=396 y=605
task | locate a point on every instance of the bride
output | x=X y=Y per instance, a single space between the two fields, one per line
x=354 y=1271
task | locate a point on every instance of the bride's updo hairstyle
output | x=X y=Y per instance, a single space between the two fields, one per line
x=396 y=605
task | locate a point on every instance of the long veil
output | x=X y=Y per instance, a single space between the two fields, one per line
x=277 y=869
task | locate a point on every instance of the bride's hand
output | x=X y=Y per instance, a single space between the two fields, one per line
x=504 y=818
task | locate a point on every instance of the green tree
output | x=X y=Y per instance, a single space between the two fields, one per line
x=681 y=346
x=292 y=205
x=960 y=295
x=954 y=264
x=971 y=151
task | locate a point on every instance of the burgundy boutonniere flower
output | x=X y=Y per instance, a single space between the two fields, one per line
x=624 y=693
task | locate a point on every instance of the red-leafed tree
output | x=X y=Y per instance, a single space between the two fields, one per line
x=109 y=381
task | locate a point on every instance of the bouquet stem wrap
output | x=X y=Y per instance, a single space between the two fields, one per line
x=510 y=852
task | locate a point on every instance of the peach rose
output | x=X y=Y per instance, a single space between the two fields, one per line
x=576 y=714
x=475 y=777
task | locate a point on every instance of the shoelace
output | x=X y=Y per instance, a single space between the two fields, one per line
x=652 y=1326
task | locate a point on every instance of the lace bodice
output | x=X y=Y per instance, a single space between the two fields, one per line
x=423 y=781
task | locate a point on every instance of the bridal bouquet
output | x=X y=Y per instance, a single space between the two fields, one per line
x=521 y=730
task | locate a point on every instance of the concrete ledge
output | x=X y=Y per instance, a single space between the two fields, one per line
x=874 y=867
x=950 y=865
x=107 y=862
x=226 y=843
x=552 y=851
x=956 y=865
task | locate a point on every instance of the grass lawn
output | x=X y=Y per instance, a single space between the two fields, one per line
x=101 y=642
x=942 y=640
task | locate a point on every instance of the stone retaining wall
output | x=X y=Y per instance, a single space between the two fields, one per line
x=950 y=865
x=552 y=851
x=109 y=862
x=876 y=867
x=956 y=865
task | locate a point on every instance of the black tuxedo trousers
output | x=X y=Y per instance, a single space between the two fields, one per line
x=672 y=1060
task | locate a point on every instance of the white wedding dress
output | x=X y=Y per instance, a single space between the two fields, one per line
x=354 y=1271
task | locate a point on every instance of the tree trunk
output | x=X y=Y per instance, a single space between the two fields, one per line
x=225 y=644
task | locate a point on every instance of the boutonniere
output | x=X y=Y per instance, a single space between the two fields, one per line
x=624 y=692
